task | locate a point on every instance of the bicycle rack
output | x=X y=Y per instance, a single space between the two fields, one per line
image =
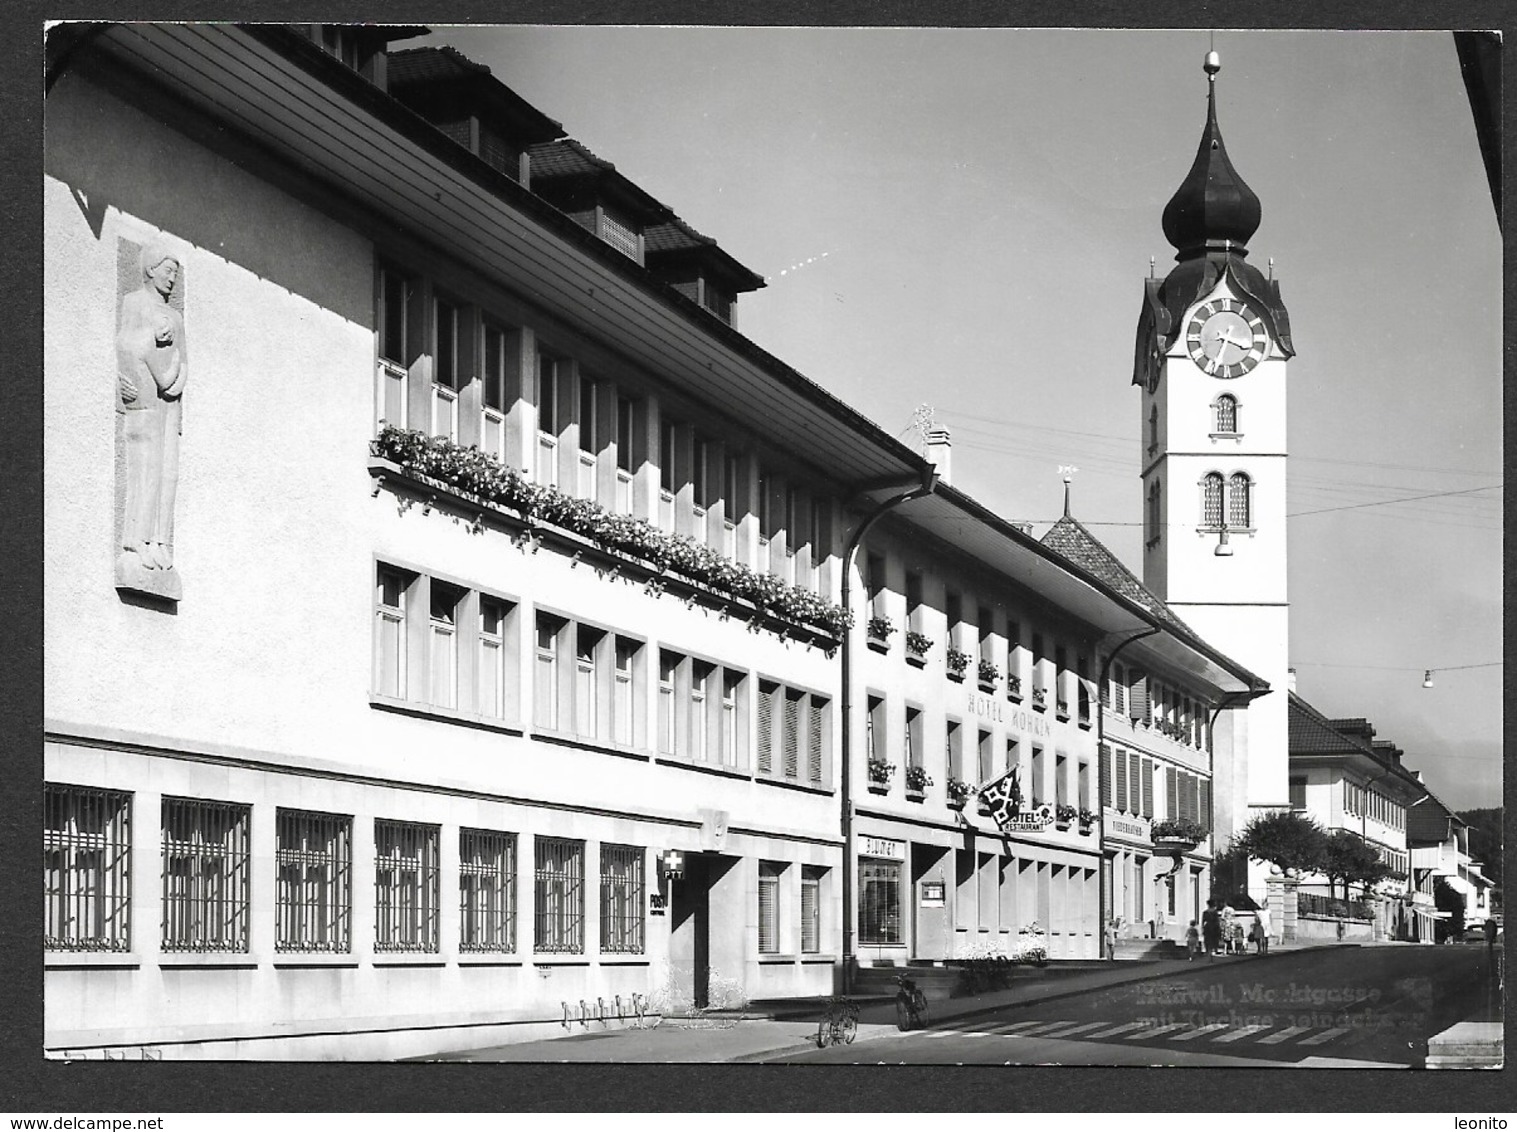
x=639 y=1009
x=568 y=1018
x=584 y=1014
x=600 y=1010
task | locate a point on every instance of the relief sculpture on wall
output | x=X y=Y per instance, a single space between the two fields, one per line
x=152 y=367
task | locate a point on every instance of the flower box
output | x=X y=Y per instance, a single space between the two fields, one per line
x=1061 y=709
x=958 y=793
x=1013 y=688
x=880 y=774
x=958 y=663
x=917 y=780
x=915 y=795
x=1040 y=699
x=918 y=645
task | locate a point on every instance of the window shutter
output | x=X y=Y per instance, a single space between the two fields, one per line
x=814 y=742
x=1205 y=816
x=1147 y=776
x=1121 y=777
x=766 y=728
x=769 y=909
x=1137 y=703
x=1171 y=794
x=792 y=733
x=1106 y=779
x=1134 y=783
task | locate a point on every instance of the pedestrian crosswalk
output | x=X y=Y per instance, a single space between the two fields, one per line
x=1197 y=1036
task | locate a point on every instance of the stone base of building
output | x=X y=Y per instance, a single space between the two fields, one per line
x=1467 y=1045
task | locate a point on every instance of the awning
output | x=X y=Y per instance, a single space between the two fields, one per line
x=1459 y=884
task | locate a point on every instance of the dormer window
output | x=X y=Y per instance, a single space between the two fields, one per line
x=620 y=234
x=717 y=301
x=341 y=43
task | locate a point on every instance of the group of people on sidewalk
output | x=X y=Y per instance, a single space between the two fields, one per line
x=1218 y=930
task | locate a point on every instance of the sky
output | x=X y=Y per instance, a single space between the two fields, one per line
x=963 y=218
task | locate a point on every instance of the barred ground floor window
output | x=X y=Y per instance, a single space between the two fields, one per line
x=486 y=891
x=879 y=902
x=405 y=886
x=622 y=900
x=558 y=921
x=313 y=892
x=86 y=868
x=206 y=875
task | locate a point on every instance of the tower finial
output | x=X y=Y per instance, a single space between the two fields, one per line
x=1212 y=65
x=1067 y=471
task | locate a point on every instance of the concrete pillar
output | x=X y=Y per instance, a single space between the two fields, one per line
x=1282 y=906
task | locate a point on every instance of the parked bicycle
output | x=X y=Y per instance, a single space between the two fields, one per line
x=840 y=1025
x=910 y=1005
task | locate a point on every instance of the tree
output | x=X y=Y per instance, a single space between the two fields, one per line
x=1445 y=899
x=1350 y=859
x=1485 y=840
x=1292 y=842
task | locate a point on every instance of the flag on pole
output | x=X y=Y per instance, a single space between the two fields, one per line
x=1001 y=798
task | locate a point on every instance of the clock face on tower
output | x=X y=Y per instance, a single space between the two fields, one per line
x=1226 y=338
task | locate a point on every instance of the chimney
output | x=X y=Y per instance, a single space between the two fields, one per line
x=940 y=453
x=1291 y=679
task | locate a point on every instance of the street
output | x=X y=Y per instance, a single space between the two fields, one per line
x=1343 y=1007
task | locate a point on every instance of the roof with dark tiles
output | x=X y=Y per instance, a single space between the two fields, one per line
x=1082 y=548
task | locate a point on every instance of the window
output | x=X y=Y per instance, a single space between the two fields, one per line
x=548 y=422
x=586 y=645
x=394 y=292
x=1083 y=797
x=700 y=703
x=313 y=897
x=493 y=393
x=1227 y=413
x=1061 y=780
x=769 y=693
x=1238 y=487
x=1038 y=790
x=668 y=668
x=1211 y=500
x=1153 y=430
x=623 y=697
x=916 y=748
x=492 y=657
x=879 y=902
x=1108 y=783
x=733 y=736
x=1298 y=793
x=953 y=607
x=791 y=732
x=817 y=539
x=589 y=440
x=442 y=646
x=405 y=886
x=445 y=372
x=549 y=629
x=622 y=900
x=795 y=725
x=625 y=410
x=390 y=633
x=486 y=891
x=1146 y=778
x=86 y=865
x=1119 y=767
x=875 y=581
x=987 y=756
x=953 y=762
x=1153 y=513
x=206 y=881
x=668 y=436
x=558 y=922
x=914 y=601
x=769 y=908
x=620 y=234
x=874 y=729
x=811 y=909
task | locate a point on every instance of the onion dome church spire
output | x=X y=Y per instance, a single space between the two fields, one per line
x=1213 y=209
x=1209 y=220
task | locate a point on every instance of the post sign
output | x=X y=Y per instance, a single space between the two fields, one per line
x=656 y=904
x=883 y=847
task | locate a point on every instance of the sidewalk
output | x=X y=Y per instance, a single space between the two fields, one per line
x=769 y=1030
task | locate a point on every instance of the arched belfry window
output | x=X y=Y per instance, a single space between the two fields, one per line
x=1238 y=509
x=1153 y=512
x=1227 y=413
x=1153 y=430
x=1211 y=500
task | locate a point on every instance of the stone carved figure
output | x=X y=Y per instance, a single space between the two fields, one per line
x=152 y=368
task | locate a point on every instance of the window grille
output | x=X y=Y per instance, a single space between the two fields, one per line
x=811 y=910
x=769 y=908
x=1227 y=413
x=486 y=891
x=205 y=875
x=619 y=235
x=1237 y=501
x=313 y=898
x=1211 y=500
x=86 y=864
x=879 y=902
x=558 y=922
x=814 y=740
x=405 y=886
x=622 y=900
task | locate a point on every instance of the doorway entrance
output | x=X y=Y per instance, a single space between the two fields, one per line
x=690 y=928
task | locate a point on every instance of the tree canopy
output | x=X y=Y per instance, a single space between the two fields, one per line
x=1290 y=841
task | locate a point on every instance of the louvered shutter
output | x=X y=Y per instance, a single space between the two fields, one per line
x=768 y=909
x=792 y=733
x=1206 y=804
x=814 y=741
x=1138 y=706
x=1134 y=783
x=1106 y=779
x=1121 y=776
x=1147 y=776
x=766 y=727
x=1171 y=794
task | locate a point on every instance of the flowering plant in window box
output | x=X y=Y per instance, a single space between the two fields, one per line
x=958 y=661
x=1087 y=819
x=880 y=774
x=880 y=629
x=1178 y=831
x=1013 y=687
x=918 y=644
x=1063 y=814
x=958 y=792
x=1040 y=698
x=1062 y=708
x=986 y=671
x=917 y=780
x=477 y=473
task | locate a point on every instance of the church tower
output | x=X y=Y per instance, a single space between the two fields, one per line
x=1213 y=342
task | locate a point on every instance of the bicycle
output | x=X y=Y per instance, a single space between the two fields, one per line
x=840 y=1025
x=910 y=1005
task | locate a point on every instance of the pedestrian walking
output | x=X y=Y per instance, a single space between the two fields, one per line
x=1211 y=930
x=1255 y=937
x=1264 y=929
x=1192 y=941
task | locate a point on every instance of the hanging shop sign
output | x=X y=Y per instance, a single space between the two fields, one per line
x=1027 y=821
